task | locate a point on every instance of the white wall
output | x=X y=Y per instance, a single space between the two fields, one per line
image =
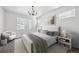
x=43 y=19
x=70 y=24
x=1 y=19
x=11 y=22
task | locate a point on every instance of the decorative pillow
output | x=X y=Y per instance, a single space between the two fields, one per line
x=8 y=35
x=54 y=33
x=44 y=31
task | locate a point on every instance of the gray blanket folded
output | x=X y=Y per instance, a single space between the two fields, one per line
x=39 y=43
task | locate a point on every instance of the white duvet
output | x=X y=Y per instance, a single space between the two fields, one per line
x=28 y=42
x=49 y=39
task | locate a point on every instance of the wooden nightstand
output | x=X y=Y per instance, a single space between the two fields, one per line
x=66 y=41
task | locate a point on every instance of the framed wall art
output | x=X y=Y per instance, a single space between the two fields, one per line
x=52 y=20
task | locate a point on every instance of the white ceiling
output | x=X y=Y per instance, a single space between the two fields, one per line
x=24 y=9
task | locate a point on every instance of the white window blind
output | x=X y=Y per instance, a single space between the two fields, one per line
x=20 y=23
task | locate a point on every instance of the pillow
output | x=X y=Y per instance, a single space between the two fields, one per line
x=54 y=33
x=44 y=31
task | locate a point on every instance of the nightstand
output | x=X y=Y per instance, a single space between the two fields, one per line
x=64 y=40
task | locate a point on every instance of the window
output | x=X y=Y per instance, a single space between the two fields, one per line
x=26 y=23
x=20 y=23
x=67 y=14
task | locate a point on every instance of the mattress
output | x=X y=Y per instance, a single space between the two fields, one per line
x=49 y=39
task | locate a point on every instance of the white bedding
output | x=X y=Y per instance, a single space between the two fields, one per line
x=49 y=39
x=28 y=42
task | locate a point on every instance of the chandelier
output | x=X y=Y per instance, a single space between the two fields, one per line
x=32 y=12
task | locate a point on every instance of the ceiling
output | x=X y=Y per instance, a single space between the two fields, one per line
x=24 y=9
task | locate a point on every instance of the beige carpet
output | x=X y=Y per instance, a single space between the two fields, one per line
x=58 y=48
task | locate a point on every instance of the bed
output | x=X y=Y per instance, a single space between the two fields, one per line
x=49 y=39
x=38 y=42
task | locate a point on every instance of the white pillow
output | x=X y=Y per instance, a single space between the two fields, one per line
x=12 y=37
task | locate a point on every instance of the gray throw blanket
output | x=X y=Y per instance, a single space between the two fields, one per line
x=39 y=43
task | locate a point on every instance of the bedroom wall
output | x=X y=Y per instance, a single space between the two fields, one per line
x=70 y=24
x=11 y=22
x=1 y=19
x=43 y=19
